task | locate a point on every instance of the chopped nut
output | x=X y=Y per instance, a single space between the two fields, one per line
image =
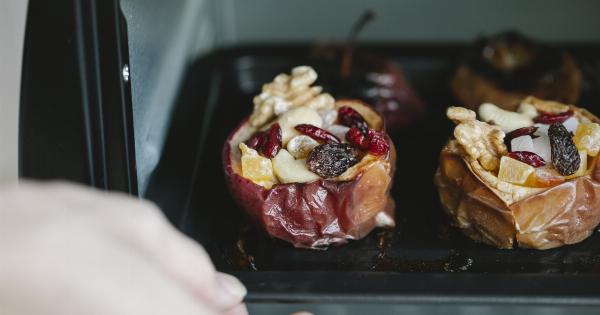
x=304 y=95
x=329 y=116
x=527 y=110
x=286 y=92
x=303 y=76
x=460 y=114
x=481 y=142
x=322 y=102
x=506 y=120
x=301 y=146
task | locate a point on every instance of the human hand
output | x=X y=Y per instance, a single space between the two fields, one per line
x=66 y=249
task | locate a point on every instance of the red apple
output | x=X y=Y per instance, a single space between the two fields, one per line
x=322 y=212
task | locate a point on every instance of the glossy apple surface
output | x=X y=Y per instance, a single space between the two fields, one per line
x=322 y=212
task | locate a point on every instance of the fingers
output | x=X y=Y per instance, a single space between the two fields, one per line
x=144 y=228
x=233 y=292
x=140 y=227
x=189 y=263
x=239 y=309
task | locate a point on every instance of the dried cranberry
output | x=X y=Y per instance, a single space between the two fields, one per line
x=377 y=143
x=256 y=141
x=272 y=141
x=317 y=133
x=525 y=131
x=356 y=137
x=548 y=118
x=528 y=157
x=348 y=116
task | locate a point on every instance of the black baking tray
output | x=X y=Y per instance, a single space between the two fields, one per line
x=422 y=259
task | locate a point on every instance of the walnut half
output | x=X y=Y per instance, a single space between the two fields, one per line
x=481 y=142
x=288 y=91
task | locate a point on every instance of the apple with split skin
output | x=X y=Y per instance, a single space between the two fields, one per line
x=320 y=212
x=547 y=211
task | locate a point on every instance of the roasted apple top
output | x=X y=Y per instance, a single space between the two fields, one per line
x=519 y=154
x=298 y=134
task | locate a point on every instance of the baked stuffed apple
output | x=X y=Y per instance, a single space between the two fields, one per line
x=309 y=169
x=505 y=68
x=527 y=178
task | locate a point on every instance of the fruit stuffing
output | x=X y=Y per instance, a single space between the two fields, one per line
x=309 y=169
x=526 y=177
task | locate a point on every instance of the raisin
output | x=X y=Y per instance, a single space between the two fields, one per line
x=271 y=143
x=317 y=133
x=565 y=156
x=331 y=159
x=356 y=137
x=348 y=116
x=548 y=118
x=377 y=143
x=528 y=158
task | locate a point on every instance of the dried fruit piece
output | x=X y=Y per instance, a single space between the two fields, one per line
x=332 y=159
x=356 y=137
x=587 y=137
x=582 y=170
x=542 y=129
x=338 y=131
x=565 y=155
x=271 y=143
x=256 y=168
x=255 y=141
x=514 y=171
x=571 y=124
x=348 y=116
x=377 y=143
x=528 y=158
x=525 y=131
x=300 y=146
x=317 y=133
x=541 y=147
x=548 y=118
x=545 y=177
x=523 y=143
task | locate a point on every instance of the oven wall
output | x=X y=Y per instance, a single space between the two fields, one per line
x=12 y=33
x=407 y=20
x=164 y=37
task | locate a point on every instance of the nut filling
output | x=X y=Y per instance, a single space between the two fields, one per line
x=308 y=169
x=296 y=117
x=527 y=176
x=554 y=144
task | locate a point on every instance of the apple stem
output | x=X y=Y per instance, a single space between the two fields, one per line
x=359 y=25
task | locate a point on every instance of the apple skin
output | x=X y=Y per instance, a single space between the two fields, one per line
x=566 y=213
x=375 y=79
x=314 y=214
x=561 y=215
